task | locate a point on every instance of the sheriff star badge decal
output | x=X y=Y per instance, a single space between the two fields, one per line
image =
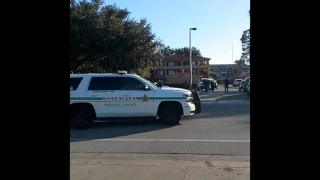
x=145 y=98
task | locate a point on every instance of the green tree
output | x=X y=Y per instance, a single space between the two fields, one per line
x=103 y=38
x=240 y=64
x=185 y=52
x=245 y=40
x=214 y=75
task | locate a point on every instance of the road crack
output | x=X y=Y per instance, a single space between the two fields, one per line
x=185 y=174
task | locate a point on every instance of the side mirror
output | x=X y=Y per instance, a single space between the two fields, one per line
x=144 y=87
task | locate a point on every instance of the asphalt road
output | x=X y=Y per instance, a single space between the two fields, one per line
x=223 y=128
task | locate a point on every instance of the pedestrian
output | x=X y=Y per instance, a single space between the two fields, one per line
x=226 y=85
x=212 y=85
x=159 y=85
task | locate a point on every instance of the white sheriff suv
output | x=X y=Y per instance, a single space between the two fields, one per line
x=125 y=96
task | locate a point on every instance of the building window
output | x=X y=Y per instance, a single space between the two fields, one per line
x=162 y=64
x=171 y=72
x=223 y=69
x=160 y=73
x=203 y=62
x=203 y=71
x=186 y=63
x=170 y=63
x=193 y=63
x=244 y=69
x=223 y=75
x=235 y=71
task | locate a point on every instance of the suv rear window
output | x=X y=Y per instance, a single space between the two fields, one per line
x=74 y=83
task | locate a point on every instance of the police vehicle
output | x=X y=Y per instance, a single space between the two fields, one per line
x=126 y=96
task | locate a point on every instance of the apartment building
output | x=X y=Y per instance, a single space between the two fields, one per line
x=180 y=64
x=228 y=70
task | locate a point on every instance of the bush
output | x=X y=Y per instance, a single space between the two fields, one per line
x=220 y=81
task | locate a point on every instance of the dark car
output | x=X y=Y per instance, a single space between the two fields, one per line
x=204 y=85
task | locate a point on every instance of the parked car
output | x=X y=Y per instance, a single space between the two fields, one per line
x=245 y=84
x=237 y=82
x=241 y=85
x=248 y=88
x=204 y=85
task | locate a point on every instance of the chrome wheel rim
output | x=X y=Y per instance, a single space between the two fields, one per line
x=170 y=114
x=81 y=119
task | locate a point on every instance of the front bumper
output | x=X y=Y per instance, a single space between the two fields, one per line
x=189 y=109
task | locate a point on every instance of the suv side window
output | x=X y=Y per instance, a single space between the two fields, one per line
x=128 y=83
x=104 y=83
x=74 y=83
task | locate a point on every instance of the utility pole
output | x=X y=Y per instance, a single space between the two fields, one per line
x=232 y=55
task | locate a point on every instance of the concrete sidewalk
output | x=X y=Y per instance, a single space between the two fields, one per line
x=120 y=166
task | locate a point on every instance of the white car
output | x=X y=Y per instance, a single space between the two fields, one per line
x=126 y=96
x=237 y=82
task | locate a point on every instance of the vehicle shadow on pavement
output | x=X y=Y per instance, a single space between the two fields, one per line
x=107 y=130
x=220 y=94
x=228 y=97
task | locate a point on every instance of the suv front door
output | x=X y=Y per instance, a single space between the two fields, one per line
x=103 y=94
x=135 y=100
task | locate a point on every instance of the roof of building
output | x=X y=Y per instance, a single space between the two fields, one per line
x=184 y=58
x=226 y=65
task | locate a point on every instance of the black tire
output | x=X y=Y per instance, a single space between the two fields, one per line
x=82 y=117
x=170 y=114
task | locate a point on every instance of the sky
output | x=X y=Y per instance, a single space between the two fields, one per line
x=219 y=23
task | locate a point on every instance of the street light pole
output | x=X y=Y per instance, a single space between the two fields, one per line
x=190 y=62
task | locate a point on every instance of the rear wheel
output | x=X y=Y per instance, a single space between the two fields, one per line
x=81 y=117
x=170 y=114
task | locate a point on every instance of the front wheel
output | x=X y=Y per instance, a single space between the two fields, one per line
x=170 y=114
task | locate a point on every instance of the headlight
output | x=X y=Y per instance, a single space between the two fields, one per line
x=188 y=96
